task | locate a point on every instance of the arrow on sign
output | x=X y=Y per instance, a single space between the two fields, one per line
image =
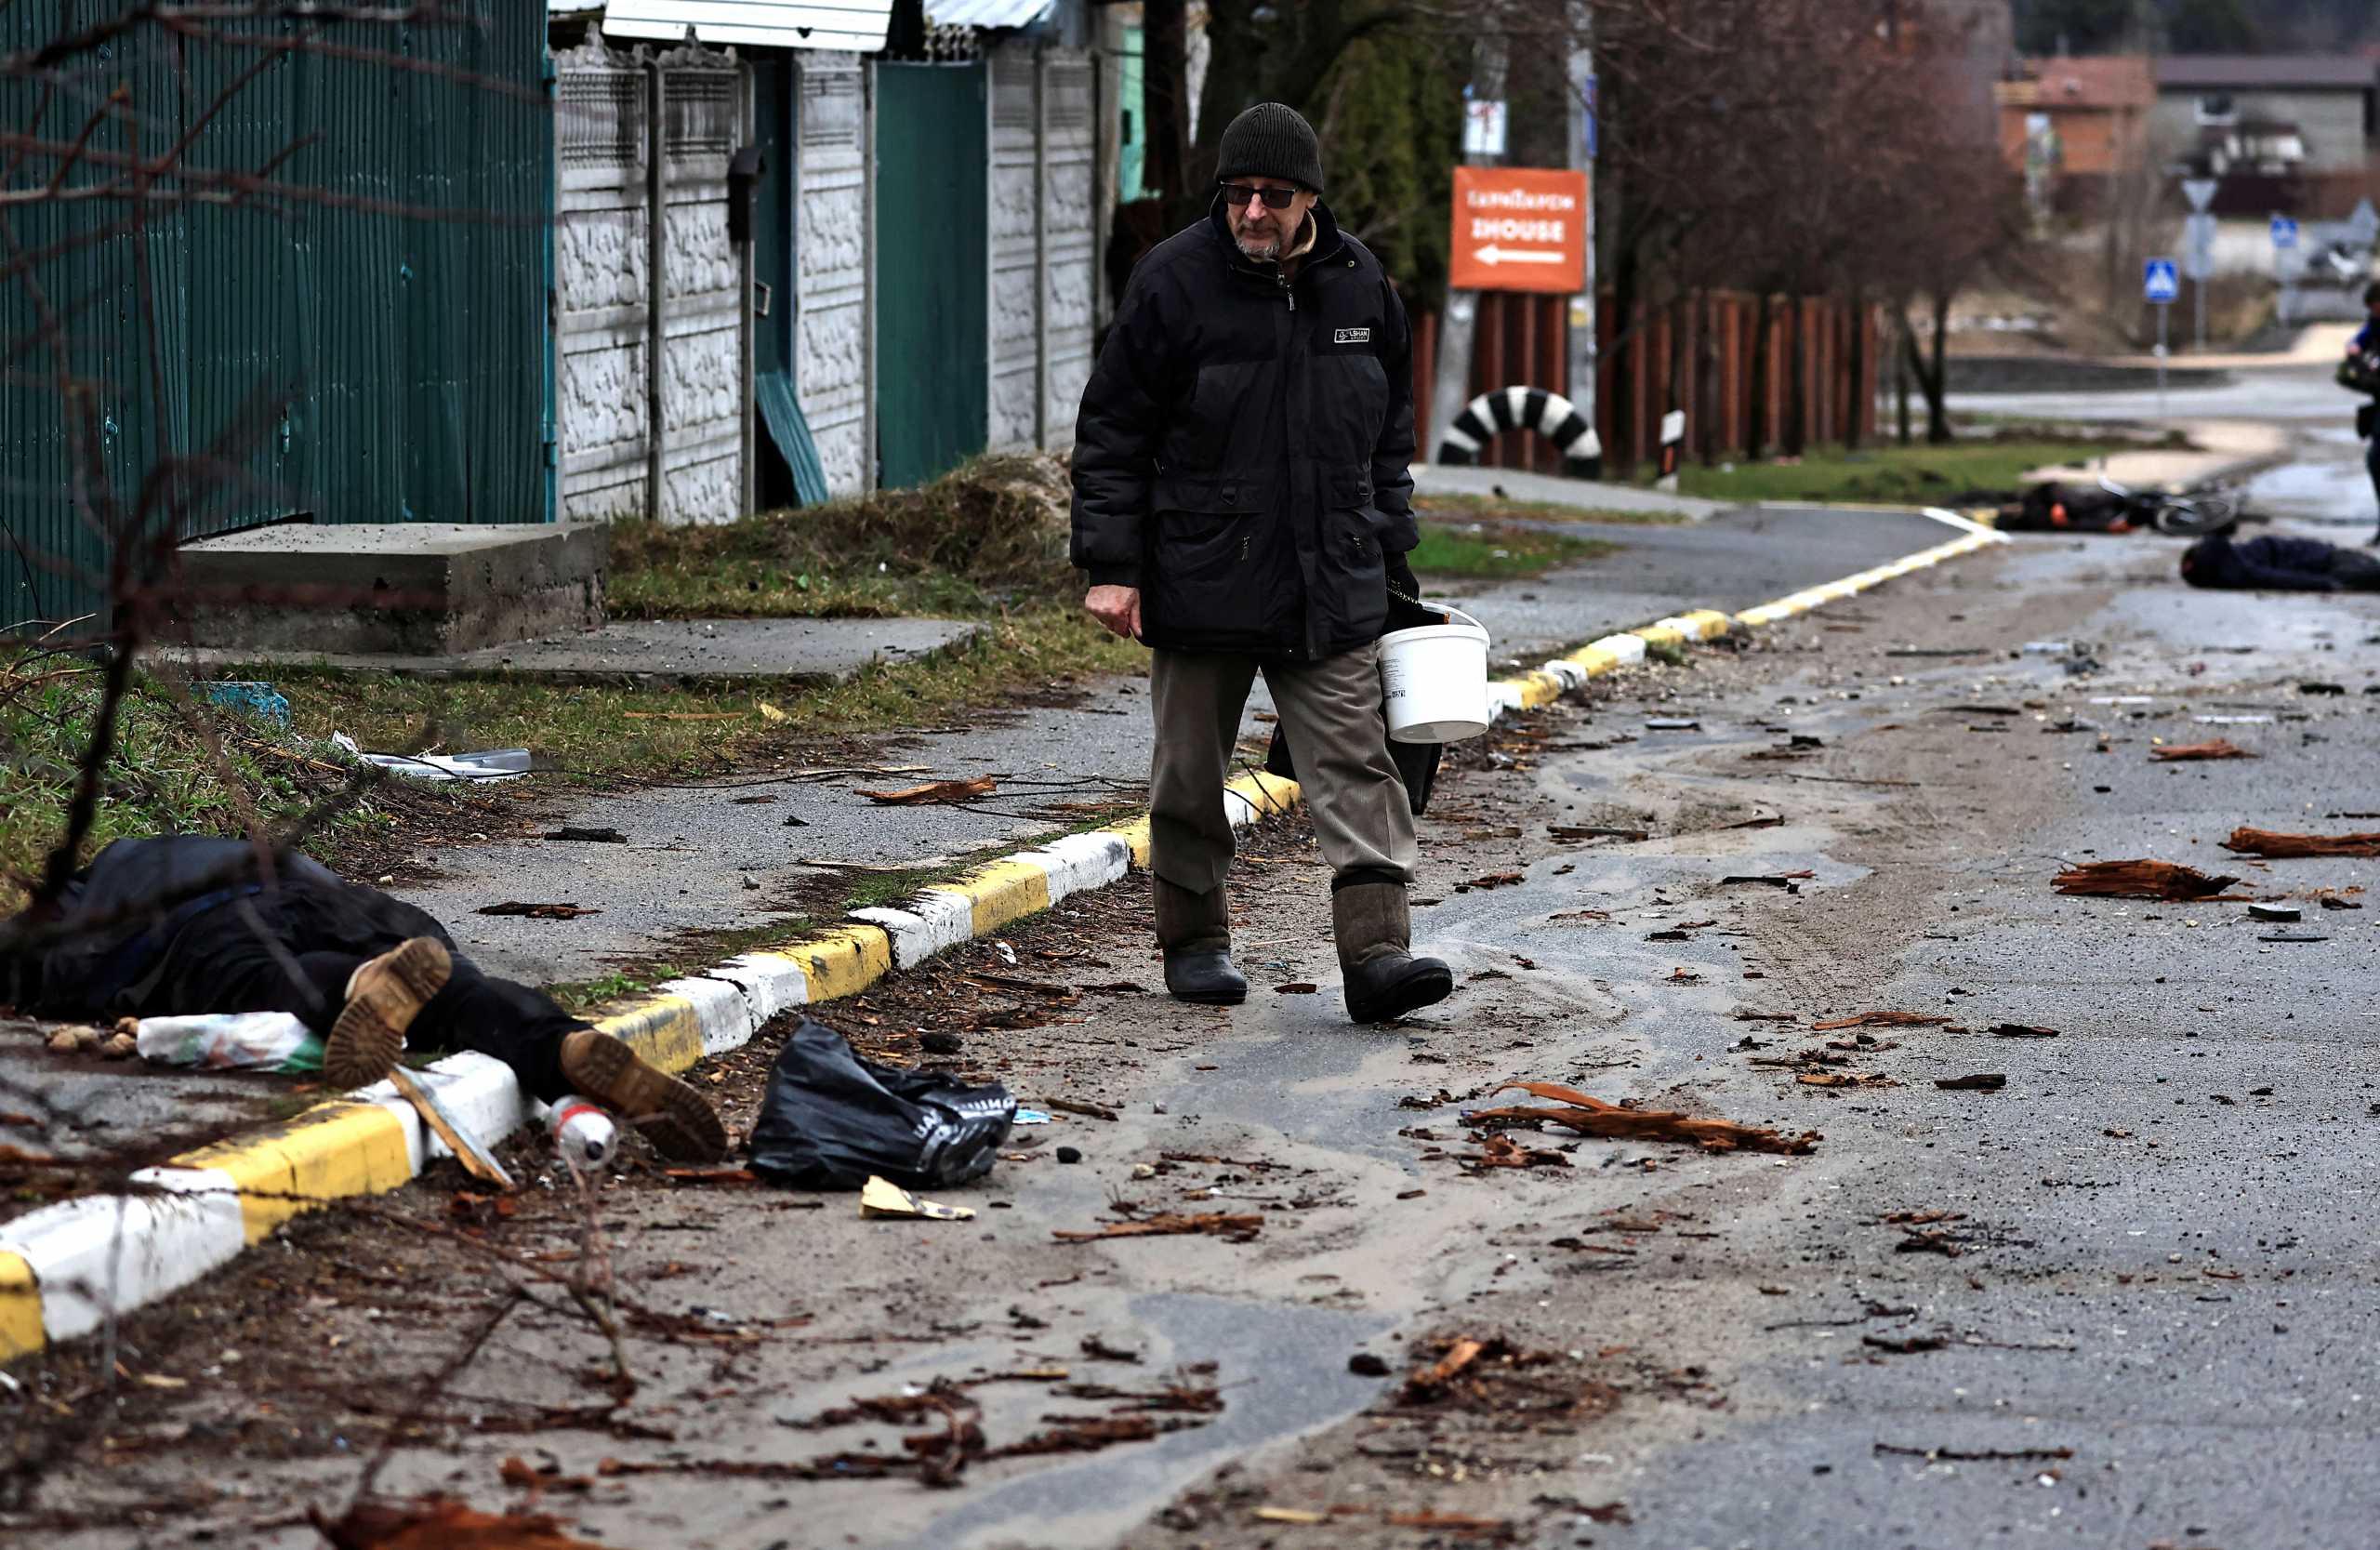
x=1491 y=254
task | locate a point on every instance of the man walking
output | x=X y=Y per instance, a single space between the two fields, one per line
x=2361 y=374
x=1242 y=505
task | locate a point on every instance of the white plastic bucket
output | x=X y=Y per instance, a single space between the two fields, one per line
x=1434 y=680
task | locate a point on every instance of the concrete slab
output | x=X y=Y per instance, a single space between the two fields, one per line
x=805 y=651
x=391 y=587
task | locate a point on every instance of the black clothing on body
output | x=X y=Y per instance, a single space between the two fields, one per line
x=2278 y=564
x=186 y=924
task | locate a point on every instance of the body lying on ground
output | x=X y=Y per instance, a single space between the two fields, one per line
x=2280 y=563
x=186 y=924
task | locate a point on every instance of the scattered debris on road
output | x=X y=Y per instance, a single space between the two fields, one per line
x=585 y=836
x=1881 y=1020
x=2277 y=845
x=1980 y=1081
x=1590 y=1116
x=1232 y=1228
x=2166 y=881
x=2019 y=1030
x=932 y=792
x=2177 y=753
x=883 y=1197
x=441 y=1523
x=536 y=911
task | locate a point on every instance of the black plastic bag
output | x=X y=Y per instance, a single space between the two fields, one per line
x=832 y=1118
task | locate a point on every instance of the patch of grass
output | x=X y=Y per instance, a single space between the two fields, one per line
x=607 y=733
x=1492 y=508
x=162 y=779
x=989 y=534
x=1497 y=550
x=1888 y=475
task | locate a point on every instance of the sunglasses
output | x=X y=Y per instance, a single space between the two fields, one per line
x=1238 y=194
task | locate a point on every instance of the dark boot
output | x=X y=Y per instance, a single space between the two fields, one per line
x=1374 y=927
x=1195 y=931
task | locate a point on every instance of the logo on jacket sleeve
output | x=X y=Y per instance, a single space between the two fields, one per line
x=1351 y=336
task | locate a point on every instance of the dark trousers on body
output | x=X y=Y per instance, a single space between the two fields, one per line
x=293 y=949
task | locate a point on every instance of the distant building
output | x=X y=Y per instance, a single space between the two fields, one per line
x=2290 y=132
x=2072 y=125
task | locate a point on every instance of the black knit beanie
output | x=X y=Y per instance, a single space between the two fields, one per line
x=1271 y=140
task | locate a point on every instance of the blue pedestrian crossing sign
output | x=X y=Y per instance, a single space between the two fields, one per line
x=2284 y=232
x=2161 y=281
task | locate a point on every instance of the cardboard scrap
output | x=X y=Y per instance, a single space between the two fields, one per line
x=881 y=1197
x=2278 y=845
x=1589 y=1115
x=2168 y=880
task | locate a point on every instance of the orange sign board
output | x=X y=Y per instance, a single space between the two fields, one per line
x=1519 y=228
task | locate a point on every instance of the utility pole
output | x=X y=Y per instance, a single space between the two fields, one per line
x=1584 y=131
x=1450 y=389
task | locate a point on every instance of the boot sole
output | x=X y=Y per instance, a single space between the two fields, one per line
x=677 y=1119
x=1424 y=990
x=1209 y=998
x=390 y=992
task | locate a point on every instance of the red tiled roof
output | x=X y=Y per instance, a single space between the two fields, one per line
x=2098 y=81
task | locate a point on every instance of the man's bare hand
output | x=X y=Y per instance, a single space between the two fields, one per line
x=1116 y=607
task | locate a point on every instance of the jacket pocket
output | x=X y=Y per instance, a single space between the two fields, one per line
x=1353 y=600
x=1206 y=578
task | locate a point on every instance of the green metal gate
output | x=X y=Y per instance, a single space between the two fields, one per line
x=932 y=267
x=357 y=336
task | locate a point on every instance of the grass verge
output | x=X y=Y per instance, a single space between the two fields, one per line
x=1496 y=550
x=1969 y=470
x=1492 y=508
x=164 y=778
x=612 y=734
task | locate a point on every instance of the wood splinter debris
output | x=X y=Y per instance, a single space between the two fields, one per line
x=2166 y=881
x=2277 y=845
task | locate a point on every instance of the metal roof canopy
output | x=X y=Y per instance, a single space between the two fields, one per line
x=858 y=25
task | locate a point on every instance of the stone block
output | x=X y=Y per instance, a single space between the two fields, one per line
x=416 y=587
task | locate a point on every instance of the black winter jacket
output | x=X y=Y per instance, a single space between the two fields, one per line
x=2277 y=562
x=1243 y=453
x=116 y=919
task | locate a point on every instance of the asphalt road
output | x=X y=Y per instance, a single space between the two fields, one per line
x=2124 y=1299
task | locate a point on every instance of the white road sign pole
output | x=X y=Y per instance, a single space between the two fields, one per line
x=2164 y=310
x=2161 y=282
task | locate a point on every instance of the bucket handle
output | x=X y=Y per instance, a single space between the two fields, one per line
x=1453 y=614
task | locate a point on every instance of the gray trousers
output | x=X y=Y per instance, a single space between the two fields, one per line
x=1331 y=712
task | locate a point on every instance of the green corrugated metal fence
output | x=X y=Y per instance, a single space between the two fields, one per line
x=399 y=359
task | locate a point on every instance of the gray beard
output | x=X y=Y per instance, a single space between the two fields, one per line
x=1261 y=249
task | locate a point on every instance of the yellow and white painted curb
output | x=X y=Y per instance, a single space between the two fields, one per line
x=62 y=1268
